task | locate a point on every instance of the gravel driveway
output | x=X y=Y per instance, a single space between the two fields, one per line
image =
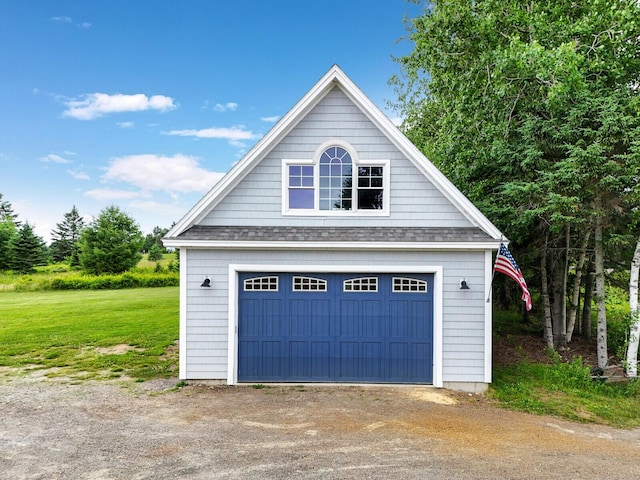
x=53 y=429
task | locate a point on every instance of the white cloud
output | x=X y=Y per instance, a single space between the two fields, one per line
x=234 y=134
x=110 y=195
x=61 y=19
x=175 y=174
x=272 y=119
x=69 y=152
x=397 y=121
x=125 y=124
x=96 y=105
x=223 y=107
x=65 y=19
x=79 y=175
x=52 y=157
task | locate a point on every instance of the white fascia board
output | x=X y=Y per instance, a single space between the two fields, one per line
x=253 y=157
x=440 y=181
x=177 y=243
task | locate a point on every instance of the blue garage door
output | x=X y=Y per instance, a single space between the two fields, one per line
x=335 y=328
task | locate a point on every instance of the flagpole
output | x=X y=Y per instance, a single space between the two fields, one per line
x=493 y=270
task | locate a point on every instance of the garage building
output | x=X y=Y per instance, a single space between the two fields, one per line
x=334 y=251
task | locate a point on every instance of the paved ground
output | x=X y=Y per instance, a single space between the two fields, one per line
x=60 y=430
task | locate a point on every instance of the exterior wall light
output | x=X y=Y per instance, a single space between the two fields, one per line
x=463 y=284
x=206 y=283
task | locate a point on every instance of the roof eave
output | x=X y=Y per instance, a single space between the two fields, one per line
x=301 y=245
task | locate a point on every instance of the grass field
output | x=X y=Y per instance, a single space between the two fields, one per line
x=91 y=334
x=132 y=333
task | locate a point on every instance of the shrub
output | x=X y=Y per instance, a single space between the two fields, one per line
x=112 y=282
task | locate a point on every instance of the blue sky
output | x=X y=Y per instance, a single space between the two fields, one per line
x=145 y=104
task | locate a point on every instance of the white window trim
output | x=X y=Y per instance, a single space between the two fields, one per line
x=315 y=161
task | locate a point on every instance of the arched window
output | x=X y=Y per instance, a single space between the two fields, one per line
x=336 y=182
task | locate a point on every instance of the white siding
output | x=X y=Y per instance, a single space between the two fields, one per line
x=463 y=347
x=413 y=199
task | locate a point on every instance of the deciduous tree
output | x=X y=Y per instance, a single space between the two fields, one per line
x=531 y=108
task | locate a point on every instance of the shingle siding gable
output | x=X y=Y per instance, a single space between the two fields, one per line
x=256 y=200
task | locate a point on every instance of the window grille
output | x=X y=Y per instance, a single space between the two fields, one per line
x=401 y=285
x=261 y=283
x=309 y=284
x=364 y=284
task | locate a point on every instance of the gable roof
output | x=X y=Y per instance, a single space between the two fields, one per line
x=334 y=77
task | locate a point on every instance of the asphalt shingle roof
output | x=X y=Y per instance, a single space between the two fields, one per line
x=333 y=234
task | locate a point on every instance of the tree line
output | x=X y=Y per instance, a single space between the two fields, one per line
x=111 y=243
x=533 y=110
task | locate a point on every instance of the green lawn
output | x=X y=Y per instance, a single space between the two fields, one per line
x=74 y=333
x=566 y=390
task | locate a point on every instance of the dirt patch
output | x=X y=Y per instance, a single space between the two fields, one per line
x=52 y=429
x=434 y=396
x=120 y=349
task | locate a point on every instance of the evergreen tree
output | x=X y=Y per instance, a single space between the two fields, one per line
x=27 y=250
x=155 y=238
x=155 y=254
x=111 y=244
x=6 y=212
x=64 y=245
x=8 y=228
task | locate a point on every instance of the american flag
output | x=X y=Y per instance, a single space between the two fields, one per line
x=506 y=264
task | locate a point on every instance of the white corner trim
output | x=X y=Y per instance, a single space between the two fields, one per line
x=234 y=269
x=182 y=342
x=488 y=317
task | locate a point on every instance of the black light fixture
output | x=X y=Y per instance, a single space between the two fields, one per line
x=206 y=283
x=463 y=284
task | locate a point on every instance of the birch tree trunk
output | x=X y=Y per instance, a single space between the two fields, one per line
x=586 y=302
x=559 y=300
x=548 y=320
x=601 y=338
x=631 y=365
x=577 y=281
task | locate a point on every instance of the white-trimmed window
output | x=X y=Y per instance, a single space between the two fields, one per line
x=408 y=285
x=362 y=284
x=309 y=284
x=335 y=182
x=262 y=284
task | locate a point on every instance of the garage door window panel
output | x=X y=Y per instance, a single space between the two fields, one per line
x=363 y=284
x=409 y=285
x=309 y=284
x=261 y=284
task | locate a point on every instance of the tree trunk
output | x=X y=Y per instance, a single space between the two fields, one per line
x=548 y=320
x=577 y=281
x=631 y=364
x=586 y=302
x=559 y=302
x=601 y=337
